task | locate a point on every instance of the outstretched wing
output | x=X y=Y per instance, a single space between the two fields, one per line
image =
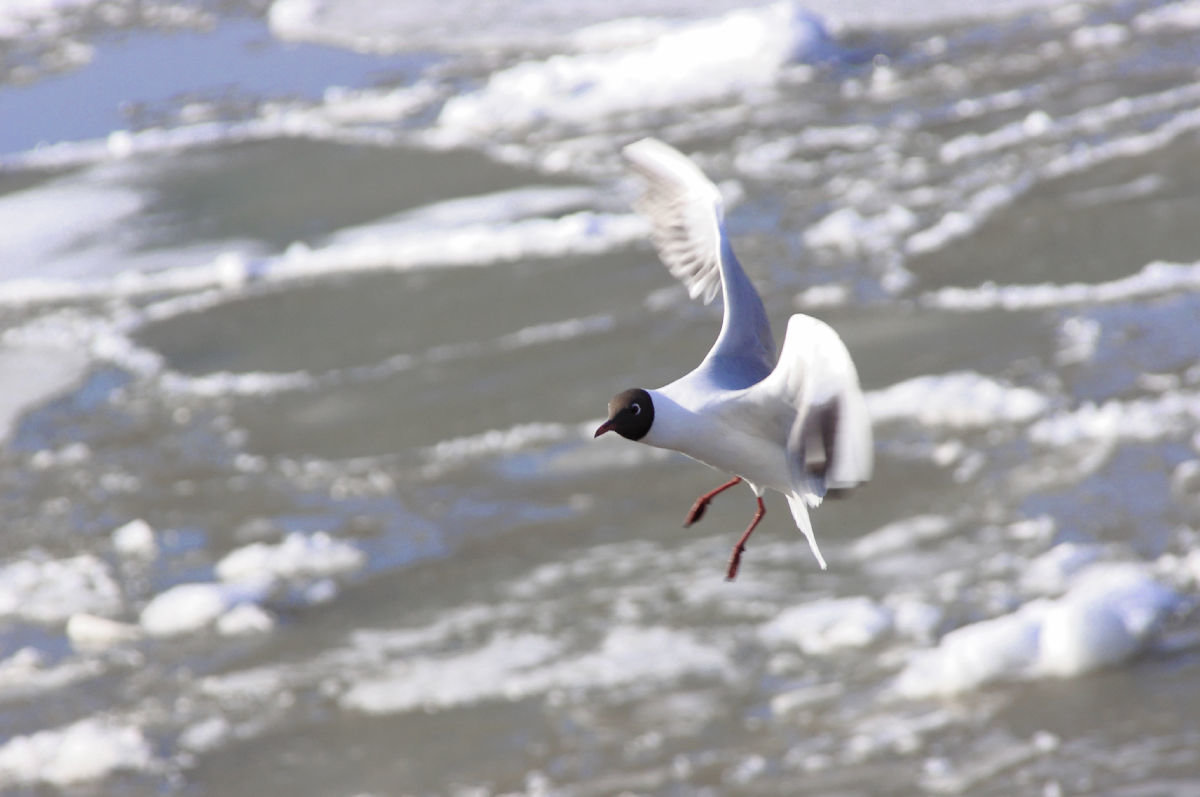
x=688 y=220
x=830 y=445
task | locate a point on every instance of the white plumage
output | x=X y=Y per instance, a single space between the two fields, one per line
x=796 y=424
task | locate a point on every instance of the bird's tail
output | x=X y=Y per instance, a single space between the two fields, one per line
x=799 y=504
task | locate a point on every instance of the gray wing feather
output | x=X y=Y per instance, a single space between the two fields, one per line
x=688 y=230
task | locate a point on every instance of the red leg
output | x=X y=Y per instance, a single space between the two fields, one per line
x=735 y=558
x=697 y=510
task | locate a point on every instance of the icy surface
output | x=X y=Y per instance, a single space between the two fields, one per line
x=823 y=627
x=135 y=538
x=1153 y=279
x=51 y=590
x=187 y=608
x=87 y=750
x=516 y=667
x=1108 y=615
x=1151 y=418
x=957 y=400
x=298 y=557
x=700 y=61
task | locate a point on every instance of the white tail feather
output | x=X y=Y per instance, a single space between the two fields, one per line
x=799 y=507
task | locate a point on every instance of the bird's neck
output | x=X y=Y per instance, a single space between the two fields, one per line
x=674 y=425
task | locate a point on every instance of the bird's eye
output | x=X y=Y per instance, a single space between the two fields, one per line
x=637 y=409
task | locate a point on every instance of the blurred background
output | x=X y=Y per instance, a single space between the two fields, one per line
x=308 y=309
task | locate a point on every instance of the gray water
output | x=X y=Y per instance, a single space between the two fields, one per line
x=362 y=347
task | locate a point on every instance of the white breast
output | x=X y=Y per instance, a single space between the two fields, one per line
x=721 y=434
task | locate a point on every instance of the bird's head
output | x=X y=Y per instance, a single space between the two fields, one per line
x=630 y=414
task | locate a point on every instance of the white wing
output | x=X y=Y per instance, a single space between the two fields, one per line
x=688 y=220
x=817 y=376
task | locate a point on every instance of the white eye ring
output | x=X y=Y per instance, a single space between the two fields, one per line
x=637 y=409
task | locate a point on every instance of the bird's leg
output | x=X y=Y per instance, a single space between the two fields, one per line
x=735 y=558
x=697 y=510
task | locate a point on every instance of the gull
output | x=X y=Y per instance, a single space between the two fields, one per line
x=796 y=424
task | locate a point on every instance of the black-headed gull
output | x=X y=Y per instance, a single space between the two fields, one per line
x=797 y=425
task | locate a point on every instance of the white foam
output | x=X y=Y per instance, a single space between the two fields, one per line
x=1152 y=418
x=48 y=590
x=962 y=399
x=826 y=626
x=699 y=61
x=514 y=667
x=299 y=557
x=87 y=750
x=187 y=608
x=1109 y=614
x=1151 y=280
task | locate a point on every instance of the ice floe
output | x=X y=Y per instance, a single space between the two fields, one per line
x=523 y=665
x=959 y=400
x=851 y=233
x=93 y=632
x=47 y=590
x=29 y=671
x=84 y=751
x=135 y=539
x=1109 y=613
x=299 y=557
x=1153 y=279
x=1151 y=418
x=901 y=535
x=700 y=61
x=187 y=608
x=825 y=626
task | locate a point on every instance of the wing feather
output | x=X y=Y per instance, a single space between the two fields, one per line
x=687 y=220
x=817 y=377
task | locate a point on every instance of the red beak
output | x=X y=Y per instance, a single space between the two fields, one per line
x=607 y=426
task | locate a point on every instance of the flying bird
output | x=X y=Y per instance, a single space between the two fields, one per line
x=796 y=424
